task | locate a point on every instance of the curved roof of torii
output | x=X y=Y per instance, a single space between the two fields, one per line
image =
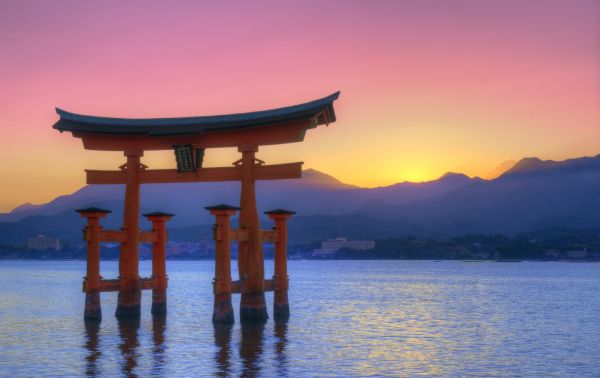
x=320 y=111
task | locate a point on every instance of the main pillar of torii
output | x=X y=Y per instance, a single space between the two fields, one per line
x=189 y=137
x=250 y=255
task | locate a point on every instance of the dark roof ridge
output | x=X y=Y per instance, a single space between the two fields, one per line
x=186 y=125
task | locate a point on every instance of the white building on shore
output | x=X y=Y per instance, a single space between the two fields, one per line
x=43 y=243
x=577 y=254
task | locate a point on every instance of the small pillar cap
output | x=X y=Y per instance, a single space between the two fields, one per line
x=280 y=211
x=159 y=214
x=93 y=210
x=221 y=206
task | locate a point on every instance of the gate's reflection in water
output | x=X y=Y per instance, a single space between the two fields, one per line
x=128 y=330
x=252 y=345
x=280 y=333
x=223 y=343
x=92 y=331
x=251 y=348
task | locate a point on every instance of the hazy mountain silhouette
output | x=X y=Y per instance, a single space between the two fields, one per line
x=314 y=193
x=25 y=207
x=533 y=194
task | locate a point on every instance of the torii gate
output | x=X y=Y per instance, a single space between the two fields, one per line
x=189 y=137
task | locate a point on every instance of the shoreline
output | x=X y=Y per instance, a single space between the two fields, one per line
x=317 y=259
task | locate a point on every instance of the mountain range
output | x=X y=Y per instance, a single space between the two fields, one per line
x=531 y=195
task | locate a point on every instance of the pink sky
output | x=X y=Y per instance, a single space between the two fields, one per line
x=427 y=86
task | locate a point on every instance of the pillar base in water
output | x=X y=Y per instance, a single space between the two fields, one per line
x=253 y=308
x=281 y=307
x=93 y=310
x=129 y=302
x=223 y=310
x=281 y=311
x=159 y=301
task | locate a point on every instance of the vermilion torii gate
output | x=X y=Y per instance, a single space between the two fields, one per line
x=189 y=137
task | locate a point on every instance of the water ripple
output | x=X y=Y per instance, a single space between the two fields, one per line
x=349 y=318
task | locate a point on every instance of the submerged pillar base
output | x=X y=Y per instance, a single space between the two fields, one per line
x=223 y=310
x=281 y=307
x=93 y=310
x=159 y=301
x=281 y=312
x=253 y=308
x=128 y=310
x=129 y=302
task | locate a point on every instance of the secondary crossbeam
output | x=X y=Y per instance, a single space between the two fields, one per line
x=212 y=174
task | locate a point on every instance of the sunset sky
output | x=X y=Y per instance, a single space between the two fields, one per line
x=426 y=86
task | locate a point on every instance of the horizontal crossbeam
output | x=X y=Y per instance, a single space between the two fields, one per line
x=214 y=174
x=238 y=287
x=119 y=236
x=239 y=235
x=147 y=283
x=269 y=236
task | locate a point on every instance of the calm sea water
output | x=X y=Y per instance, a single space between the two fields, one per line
x=349 y=318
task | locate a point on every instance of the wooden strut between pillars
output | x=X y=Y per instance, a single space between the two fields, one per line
x=267 y=236
x=239 y=287
x=217 y=174
x=105 y=285
x=119 y=236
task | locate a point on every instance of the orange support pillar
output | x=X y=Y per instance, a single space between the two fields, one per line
x=222 y=310
x=91 y=283
x=159 y=258
x=281 y=307
x=130 y=295
x=253 y=307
